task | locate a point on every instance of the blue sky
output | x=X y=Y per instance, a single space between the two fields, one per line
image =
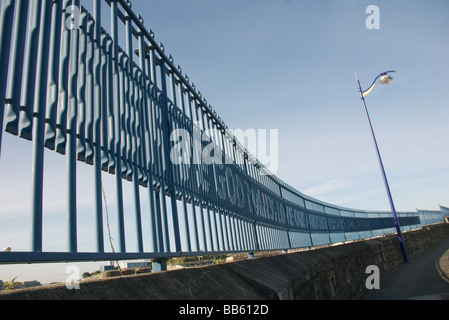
x=290 y=65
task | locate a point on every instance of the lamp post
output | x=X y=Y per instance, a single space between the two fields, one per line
x=385 y=79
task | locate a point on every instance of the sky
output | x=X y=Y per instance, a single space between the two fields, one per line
x=290 y=65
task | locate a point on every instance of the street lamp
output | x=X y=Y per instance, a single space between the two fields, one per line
x=385 y=79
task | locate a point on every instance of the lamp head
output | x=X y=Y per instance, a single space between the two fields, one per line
x=385 y=79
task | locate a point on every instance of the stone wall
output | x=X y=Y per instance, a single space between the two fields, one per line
x=336 y=272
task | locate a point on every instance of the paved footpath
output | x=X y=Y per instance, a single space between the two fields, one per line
x=425 y=277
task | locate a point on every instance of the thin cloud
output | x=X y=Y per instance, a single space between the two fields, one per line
x=329 y=187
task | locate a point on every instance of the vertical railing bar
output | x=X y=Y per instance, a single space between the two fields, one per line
x=17 y=58
x=217 y=132
x=104 y=101
x=139 y=133
x=144 y=167
x=149 y=121
x=281 y=238
x=241 y=233
x=151 y=70
x=263 y=231
x=243 y=226
x=6 y=23
x=213 y=132
x=251 y=242
x=166 y=127
x=142 y=105
x=173 y=125
x=61 y=116
x=284 y=206
x=234 y=231
x=208 y=244
x=136 y=160
x=238 y=235
x=28 y=92
x=195 y=244
x=98 y=187
x=251 y=245
x=188 y=168
x=208 y=229
x=127 y=121
x=201 y=227
x=208 y=226
x=268 y=237
x=204 y=168
x=254 y=237
x=71 y=133
x=90 y=96
x=114 y=123
x=224 y=225
x=148 y=138
x=179 y=169
x=132 y=117
x=194 y=182
x=230 y=232
x=218 y=223
x=257 y=236
x=109 y=113
x=39 y=127
x=89 y=90
x=254 y=227
x=217 y=234
x=223 y=230
x=81 y=89
x=156 y=153
x=220 y=238
x=274 y=236
x=123 y=83
x=211 y=211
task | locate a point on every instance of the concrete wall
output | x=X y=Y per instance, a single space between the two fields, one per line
x=329 y=273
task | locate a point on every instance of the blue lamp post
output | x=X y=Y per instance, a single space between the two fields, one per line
x=385 y=79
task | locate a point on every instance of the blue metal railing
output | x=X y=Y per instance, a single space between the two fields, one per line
x=69 y=87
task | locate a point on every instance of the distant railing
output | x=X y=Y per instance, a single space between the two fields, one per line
x=68 y=86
